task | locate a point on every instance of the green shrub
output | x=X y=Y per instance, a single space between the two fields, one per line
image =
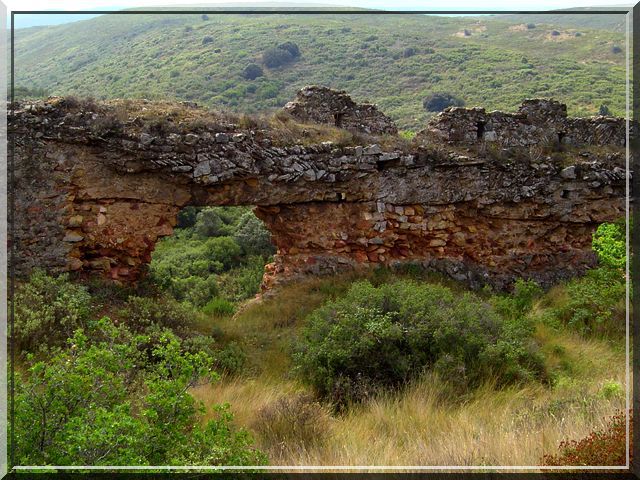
x=230 y=359
x=383 y=337
x=276 y=57
x=104 y=402
x=219 y=307
x=437 y=102
x=47 y=310
x=609 y=242
x=520 y=301
x=252 y=71
x=253 y=236
x=243 y=282
x=290 y=47
x=596 y=303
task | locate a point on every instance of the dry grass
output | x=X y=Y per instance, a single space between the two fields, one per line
x=424 y=424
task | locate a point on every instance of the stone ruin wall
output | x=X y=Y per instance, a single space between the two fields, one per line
x=95 y=200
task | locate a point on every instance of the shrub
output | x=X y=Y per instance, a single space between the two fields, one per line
x=293 y=422
x=290 y=47
x=609 y=242
x=409 y=52
x=520 y=301
x=602 y=447
x=102 y=402
x=276 y=57
x=436 y=102
x=253 y=236
x=209 y=224
x=578 y=34
x=604 y=110
x=230 y=359
x=243 y=282
x=252 y=71
x=596 y=303
x=205 y=17
x=531 y=26
x=207 y=39
x=616 y=49
x=142 y=312
x=555 y=33
x=187 y=217
x=47 y=310
x=375 y=338
x=219 y=307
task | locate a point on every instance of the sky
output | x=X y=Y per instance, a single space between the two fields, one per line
x=33 y=20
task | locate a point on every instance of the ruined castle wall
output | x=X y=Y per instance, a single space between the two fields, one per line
x=96 y=201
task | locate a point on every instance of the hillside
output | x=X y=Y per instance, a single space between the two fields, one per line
x=394 y=61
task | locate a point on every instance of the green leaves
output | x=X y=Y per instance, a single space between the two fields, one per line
x=381 y=337
x=105 y=401
x=609 y=242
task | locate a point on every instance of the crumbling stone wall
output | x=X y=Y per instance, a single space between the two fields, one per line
x=537 y=122
x=335 y=107
x=96 y=186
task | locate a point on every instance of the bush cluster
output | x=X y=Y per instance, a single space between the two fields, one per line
x=218 y=253
x=383 y=337
x=107 y=400
x=281 y=55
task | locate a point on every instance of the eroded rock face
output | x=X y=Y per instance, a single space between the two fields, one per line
x=335 y=107
x=97 y=185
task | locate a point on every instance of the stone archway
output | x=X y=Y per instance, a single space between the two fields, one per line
x=97 y=185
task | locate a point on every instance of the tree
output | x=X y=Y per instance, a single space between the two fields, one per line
x=208 y=223
x=253 y=236
x=252 y=71
x=436 y=102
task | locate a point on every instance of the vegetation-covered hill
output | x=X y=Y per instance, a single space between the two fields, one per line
x=392 y=60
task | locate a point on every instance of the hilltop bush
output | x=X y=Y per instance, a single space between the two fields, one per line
x=437 y=102
x=276 y=57
x=381 y=338
x=290 y=47
x=252 y=71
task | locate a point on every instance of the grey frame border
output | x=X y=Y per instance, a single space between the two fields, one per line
x=633 y=147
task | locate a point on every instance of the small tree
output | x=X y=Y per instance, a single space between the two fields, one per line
x=205 y=17
x=555 y=33
x=253 y=236
x=207 y=39
x=252 y=71
x=604 y=110
x=531 y=26
x=616 y=49
x=436 y=102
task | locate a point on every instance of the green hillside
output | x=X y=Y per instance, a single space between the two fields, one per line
x=392 y=60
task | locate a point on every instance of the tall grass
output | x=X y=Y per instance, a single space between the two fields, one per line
x=426 y=423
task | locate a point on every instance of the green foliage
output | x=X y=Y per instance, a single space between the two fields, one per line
x=219 y=307
x=604 y=110
x=290 y=47
x=252 y=71
x=47 y=310
x=596 y=303
x=102 y=401
x=222 y=255
x=253 y=236
x=382 y=337
x=276 y=57
x=520 y=301
x=609 y=242
x=436 y=102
